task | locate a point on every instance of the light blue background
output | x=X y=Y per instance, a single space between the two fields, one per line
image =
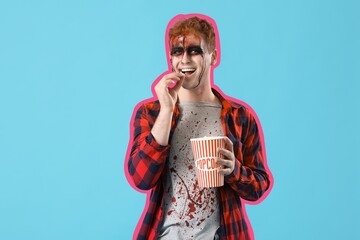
x=71 y=73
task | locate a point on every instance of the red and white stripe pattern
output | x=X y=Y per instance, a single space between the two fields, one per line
x=204 y=151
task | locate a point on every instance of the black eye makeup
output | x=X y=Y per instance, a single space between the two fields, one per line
x=177 y=51
x=191 y=50
x=194 y=50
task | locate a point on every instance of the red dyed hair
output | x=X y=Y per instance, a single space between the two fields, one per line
x=197 y=26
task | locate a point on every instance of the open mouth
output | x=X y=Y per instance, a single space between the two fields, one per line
x=187 y=71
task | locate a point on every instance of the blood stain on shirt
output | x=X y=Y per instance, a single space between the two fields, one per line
x=173 y=199
x=190 y=167
x=170 y=212
x=201 y=220
x=191 y=208
x=180 y=190
x=175 y=157
x=199 y=197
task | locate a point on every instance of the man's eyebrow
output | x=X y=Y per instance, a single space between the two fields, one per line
x=195 y=47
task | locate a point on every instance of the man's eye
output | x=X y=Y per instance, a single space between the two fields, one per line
x=195 y=51
x=177 y=51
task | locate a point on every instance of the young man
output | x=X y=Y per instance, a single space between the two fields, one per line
x=161 y=159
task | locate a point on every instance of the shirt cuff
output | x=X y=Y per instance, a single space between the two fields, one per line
x=152 y=142
x=155 y=150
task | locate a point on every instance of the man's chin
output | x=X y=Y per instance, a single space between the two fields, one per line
x=190 y=83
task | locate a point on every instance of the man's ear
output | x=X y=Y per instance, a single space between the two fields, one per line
x=213 y=57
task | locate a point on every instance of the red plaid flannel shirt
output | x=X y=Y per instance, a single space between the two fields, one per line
x=249 y=180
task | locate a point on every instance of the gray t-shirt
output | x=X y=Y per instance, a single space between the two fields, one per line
x=191 y=212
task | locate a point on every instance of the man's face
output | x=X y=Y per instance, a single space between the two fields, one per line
x=190 y=56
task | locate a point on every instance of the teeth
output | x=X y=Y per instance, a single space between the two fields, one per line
x=187 y=70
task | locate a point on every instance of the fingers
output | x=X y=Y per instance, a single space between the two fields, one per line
x=229 y=144
x=228 y=166
x=227 y=153
x=168 y=79
x=166 y=93
x=179 y=83
x=228 y=162
x=174 y=75
x=167 y=82
x=224 y=162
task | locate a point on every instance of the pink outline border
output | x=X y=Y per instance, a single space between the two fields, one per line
x=170 y=24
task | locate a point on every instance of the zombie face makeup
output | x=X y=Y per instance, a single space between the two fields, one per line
x=189 y=55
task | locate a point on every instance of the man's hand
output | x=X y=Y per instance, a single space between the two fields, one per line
x=168 y=96
x=228 y=162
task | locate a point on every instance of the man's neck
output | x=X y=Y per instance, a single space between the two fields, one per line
x=204 y=94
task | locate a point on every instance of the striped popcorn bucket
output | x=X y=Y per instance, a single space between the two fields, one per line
x=204 y=151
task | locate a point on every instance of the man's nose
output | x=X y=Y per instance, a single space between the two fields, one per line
x=185 y=58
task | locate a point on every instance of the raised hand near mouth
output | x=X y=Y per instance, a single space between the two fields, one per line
x=167 y=97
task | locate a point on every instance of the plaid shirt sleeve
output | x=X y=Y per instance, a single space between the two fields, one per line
x=147 y=157
x=250 y=178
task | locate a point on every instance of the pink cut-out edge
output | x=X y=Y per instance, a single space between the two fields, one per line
x=128 y=178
